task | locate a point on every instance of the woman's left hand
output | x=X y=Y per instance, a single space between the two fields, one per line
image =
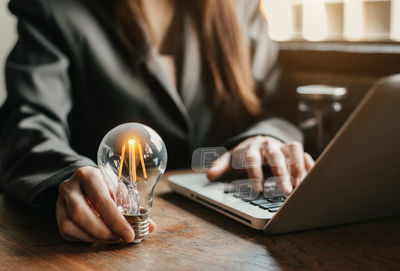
x=288 y=161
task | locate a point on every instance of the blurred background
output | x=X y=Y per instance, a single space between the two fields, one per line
x=333 y=20
x=8 y=37
x=344 y=43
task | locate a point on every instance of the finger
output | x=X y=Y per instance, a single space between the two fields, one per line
x=98 y=194
x=308 y=161
x=69 y=230
x=277 y=163
x=81 y=214
x=254 y=161
x=296 y=158
x=79 y=210
x=220 y=167
x=152 y=226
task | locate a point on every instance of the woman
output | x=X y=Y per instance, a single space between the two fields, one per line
x=197 y=73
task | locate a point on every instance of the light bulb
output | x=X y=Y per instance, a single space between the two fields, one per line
x=132 y=157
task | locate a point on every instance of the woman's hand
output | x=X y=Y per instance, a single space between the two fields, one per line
x=86 y=211
x=255 y=152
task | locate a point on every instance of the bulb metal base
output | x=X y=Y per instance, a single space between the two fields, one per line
x=139 y=224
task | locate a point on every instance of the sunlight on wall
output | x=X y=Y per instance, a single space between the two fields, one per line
x=395 y=20
x=354 y=20
x=314 y=20
x=279 y=17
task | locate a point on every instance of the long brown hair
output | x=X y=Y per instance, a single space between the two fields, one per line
x=226 y=58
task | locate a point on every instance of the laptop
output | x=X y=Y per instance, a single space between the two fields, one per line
x=355 y=179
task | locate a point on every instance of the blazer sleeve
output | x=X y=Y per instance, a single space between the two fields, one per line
x=266 y=74
x=35 y=155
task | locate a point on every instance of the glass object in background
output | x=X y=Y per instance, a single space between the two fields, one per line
x=132 y=157
x=316 y=101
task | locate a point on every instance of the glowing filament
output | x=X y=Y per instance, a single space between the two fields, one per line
x=121 y=163
x=142 y=161
x=132 y=161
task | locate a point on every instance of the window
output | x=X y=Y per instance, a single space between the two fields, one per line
x=333 y=20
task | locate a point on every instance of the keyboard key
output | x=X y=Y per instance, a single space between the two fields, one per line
x=259 y=201
x=246 y=194
x=278 y=199
x=249 y=199
x=273 y=210
x=268 y=205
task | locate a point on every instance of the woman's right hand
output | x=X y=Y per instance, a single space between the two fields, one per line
x=86 y=211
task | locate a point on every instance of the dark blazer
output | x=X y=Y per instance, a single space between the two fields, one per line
x=70 y=80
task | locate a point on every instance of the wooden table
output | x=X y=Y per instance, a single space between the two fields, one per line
x=192 y=237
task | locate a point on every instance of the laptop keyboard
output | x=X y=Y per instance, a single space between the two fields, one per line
x=272 y=204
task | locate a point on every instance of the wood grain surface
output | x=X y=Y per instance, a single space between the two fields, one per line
x=192 y=237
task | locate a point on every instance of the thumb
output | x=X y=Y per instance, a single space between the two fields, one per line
x=219 y=167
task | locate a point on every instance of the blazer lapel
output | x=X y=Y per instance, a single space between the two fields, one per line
x=154 y=66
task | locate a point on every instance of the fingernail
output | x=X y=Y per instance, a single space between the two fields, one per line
x=127 y=236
